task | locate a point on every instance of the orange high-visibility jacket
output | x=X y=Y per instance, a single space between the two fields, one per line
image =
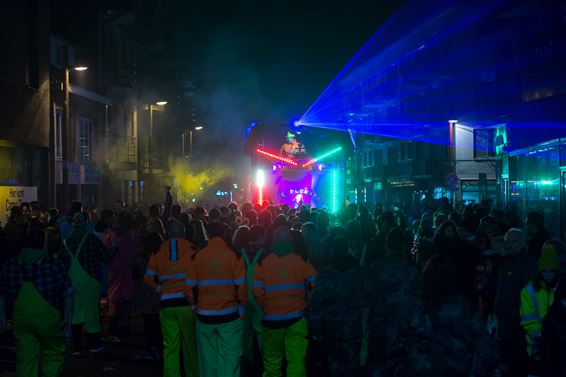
x=280 y=286
x=220 y=278
x=168 y=272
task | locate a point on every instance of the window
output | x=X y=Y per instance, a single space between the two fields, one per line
x=483 y=142
x=58 y=133
x=85 y=129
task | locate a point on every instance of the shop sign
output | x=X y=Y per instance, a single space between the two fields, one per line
x=14 y=196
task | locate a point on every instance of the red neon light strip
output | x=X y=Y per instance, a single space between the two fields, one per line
x=276 y=157
x=309 y=163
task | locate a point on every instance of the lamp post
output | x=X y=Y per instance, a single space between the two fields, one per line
x=183 y=136
x=151 y=108
x=65 y=131
x=197 y=128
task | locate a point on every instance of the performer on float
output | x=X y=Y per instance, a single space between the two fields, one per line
x=292 y=148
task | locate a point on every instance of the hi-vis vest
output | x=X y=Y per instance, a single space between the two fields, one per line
x=220 y=278
x=168 y=272
x=280 y=286
x=534 y=307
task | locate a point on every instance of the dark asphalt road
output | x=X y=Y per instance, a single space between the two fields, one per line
x=118 y=360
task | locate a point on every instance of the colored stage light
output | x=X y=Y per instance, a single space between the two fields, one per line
x=321 y=157
x=334 y=192
x=276 y=157
x=260 y=182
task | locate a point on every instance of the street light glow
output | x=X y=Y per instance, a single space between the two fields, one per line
x=198 y=128
x=161 y=103
x=80 y=68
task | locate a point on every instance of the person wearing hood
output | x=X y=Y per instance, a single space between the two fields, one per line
x=82 y=255
x=339 y=331
x=280 y=286
x=65 y=225
x=34 y=286
x=536 y=298
x=517 y=269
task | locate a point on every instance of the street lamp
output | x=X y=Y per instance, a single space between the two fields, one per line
x=65 y=130
x=151 y=108
x=197 y=128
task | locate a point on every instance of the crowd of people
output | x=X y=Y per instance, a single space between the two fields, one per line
x=270 y=290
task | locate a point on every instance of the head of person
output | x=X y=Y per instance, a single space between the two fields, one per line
x=386 y=221
x=265 y=218
x=107 y=216
x=534 y=223
x=439 y=218
x=352 y=210
x=79 y=220
x=118 y=205
x=426 y=226
x=176 y=230
x=290 y=137
x=456 y=217
x=44 y=218
x=153 y=210
x=438 y=279
x=215 y=229
x=558 y=246
x=396 y=242
x=257 y=237
x=75 y=207
x=241 y=239
x=214 y=214
x=167 y=188
x=353 y=231
x=35 y=208
x=233 y=206
x=176 y=211
x=447 y=231
x=340 y=255
x=515 y=241
x=282 y=241
x=35 y=239
x=489 y=225
x=122 y=223
x=323 y=221
x=549 y=265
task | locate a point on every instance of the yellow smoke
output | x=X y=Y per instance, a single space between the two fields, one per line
x=192 y=178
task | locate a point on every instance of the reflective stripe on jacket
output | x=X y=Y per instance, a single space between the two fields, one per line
x=220 y=278
x=279 y=286
x=168 y=271
x=534 y=307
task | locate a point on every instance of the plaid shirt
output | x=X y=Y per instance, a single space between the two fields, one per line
x=48 y=276
x=92 y=254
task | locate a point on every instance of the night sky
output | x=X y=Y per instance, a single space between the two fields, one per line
x=269 y=60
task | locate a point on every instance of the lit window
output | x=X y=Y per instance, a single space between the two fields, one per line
x=85 y=129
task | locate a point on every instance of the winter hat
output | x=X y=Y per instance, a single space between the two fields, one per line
x=79 y=219
x=548 y=258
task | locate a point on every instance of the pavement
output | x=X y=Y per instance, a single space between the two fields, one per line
x=126 y=358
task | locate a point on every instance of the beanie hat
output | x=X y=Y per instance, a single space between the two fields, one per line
x=79 y=219
x=548 y=258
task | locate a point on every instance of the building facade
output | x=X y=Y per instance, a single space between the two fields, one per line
x=24 y=94
x=479 y=83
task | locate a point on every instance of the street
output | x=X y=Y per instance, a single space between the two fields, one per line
x=119 y=359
